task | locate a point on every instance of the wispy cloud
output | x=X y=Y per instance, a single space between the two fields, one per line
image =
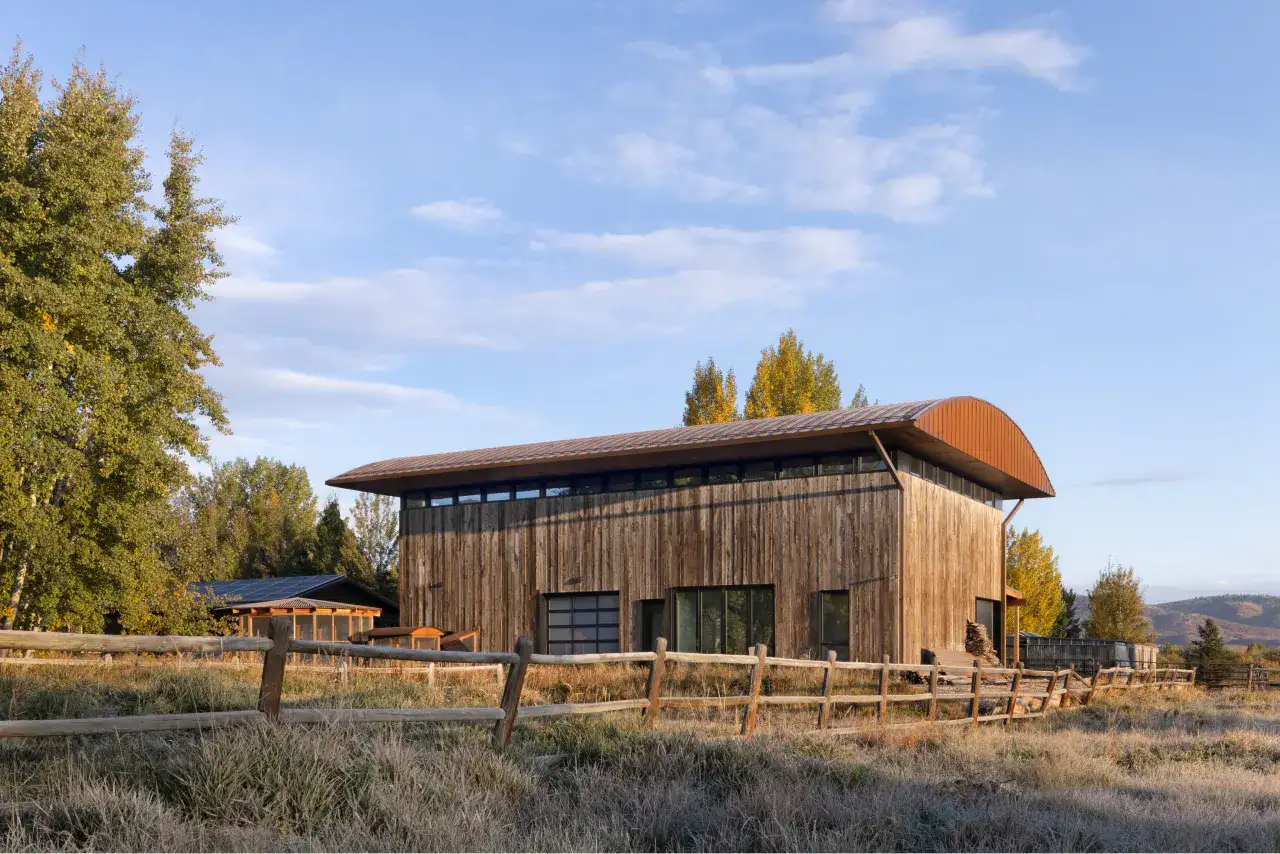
x=235 y=240
x=432 y=399
x=1148 y=478
x=467 y=214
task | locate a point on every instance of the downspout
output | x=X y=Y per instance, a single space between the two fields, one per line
x=1004 y=582
x=897 y=653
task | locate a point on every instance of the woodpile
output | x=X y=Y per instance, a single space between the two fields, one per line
x=977 y=644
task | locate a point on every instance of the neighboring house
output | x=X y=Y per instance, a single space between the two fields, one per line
x=872 y=531
x=303 y=594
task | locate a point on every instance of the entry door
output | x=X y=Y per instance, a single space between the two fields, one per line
x=579 y=623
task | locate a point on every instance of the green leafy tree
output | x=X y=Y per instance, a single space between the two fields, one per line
x=1032 y=568
x=1116 y=608
x=713 y=397
x=1067 y=623
x=376 y=524
x=252 y=520
x=101 y=384
x=791 y=381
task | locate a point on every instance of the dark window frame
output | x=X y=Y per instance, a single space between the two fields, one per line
x=723 y=590
x=557 y=625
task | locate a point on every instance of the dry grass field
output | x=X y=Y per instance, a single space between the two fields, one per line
x=1152 y=772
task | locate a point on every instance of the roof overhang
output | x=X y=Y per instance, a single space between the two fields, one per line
x=964 y=434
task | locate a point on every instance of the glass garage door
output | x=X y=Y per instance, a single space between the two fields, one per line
x=580 y=623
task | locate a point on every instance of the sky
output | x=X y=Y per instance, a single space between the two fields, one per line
x=473 y=224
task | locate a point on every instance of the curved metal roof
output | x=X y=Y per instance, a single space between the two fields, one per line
x=953 y=430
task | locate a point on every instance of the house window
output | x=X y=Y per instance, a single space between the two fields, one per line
x=759 y=470
x=413 y=500
x=469 y=496
x=587 y=485
x=840 y=464
x=800 y=467
x=871 y=462
x=441 y=497
x=623 y=482
x=579 y=623
x=722 y=474
x=498 y=493
x=654 y=479
x=258 y=626
x=723 y=619
x=687 y=477
x=528 y=490
x=653 y=621
x=341 y=628
x=556 y=488
x=833 y=623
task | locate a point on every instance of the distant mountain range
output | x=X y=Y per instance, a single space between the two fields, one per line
x=1244 y=619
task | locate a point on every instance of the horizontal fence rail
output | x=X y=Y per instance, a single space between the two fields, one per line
x=934 y=684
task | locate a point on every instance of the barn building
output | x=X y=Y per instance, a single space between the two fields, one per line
x=871 y=531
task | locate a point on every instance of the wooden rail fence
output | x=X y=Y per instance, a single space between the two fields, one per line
x=1064 y=688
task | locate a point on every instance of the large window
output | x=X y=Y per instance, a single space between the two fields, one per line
x=833 y=623
x=580 y=623
x=723 y=619
x=653 y=622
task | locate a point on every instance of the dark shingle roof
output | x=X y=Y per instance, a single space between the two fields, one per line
x=262 y=589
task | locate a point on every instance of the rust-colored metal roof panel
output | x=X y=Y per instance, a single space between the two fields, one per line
x=980 y=428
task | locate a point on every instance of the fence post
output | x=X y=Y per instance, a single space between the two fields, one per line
x=1066 y=683
x=757 y=676
x=431 y=674
x=882 y=716
x=1017 y=686
x=511 y=693
x=273 y=662
x=1093 y=687
x=1048 y=699
x=933 y=692
x=977 y=689
x=828 y=686
x=654 y=692
x=1250 y=676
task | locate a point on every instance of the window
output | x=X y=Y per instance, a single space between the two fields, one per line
x=324 y=627
x=304 y=627
x=413 y=500
x=580 y=623
x=556 y=488
x=839 y=464
x=469 y=496
x=759 y=470
x=722 y=473
x=723 y=619
x=624 y=482
x=833 y=623
x=654 y=479
x=258 y=626
x=341 y=628
x=502 y=492
x=871 y=462
x=441 y=497
x=799 y=467
x=528 y=490
x=653 y=621
x=587 y=485
x=687 y=477
x=987 y=613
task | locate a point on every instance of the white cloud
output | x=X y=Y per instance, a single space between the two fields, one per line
x=290 y=380
x=467 y=214
x=794 y=133
x=235 y=240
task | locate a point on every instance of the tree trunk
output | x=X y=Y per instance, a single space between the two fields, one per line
x=15 y=599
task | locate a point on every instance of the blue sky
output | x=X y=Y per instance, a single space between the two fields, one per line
x=468 y=224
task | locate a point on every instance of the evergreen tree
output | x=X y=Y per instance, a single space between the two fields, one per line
x=1116 y=608
x=336 y=549
x=100 y=372
x=1032 y=568
x=376 y=525
x=713 y=397
x=1209 y=654
x=791 y=381
x=860 y=398
x=1067 y=624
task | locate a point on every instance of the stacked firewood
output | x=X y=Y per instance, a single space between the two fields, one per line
x=978 y=644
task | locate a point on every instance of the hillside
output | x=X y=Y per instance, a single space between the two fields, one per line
x=1243 y=618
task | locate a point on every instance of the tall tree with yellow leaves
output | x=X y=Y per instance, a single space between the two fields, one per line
x=713 y=397
x=791 y=381
x=1032 y=568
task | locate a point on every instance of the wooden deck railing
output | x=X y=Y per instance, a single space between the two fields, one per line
x=1063 y=688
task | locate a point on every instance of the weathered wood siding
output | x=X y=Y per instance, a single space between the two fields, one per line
x=490 y=561
x=953 y=556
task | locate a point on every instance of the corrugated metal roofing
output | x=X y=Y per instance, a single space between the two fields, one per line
x=671 y=438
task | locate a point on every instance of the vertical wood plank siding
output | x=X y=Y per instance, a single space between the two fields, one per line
x=953 y=556
x=801 y=536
